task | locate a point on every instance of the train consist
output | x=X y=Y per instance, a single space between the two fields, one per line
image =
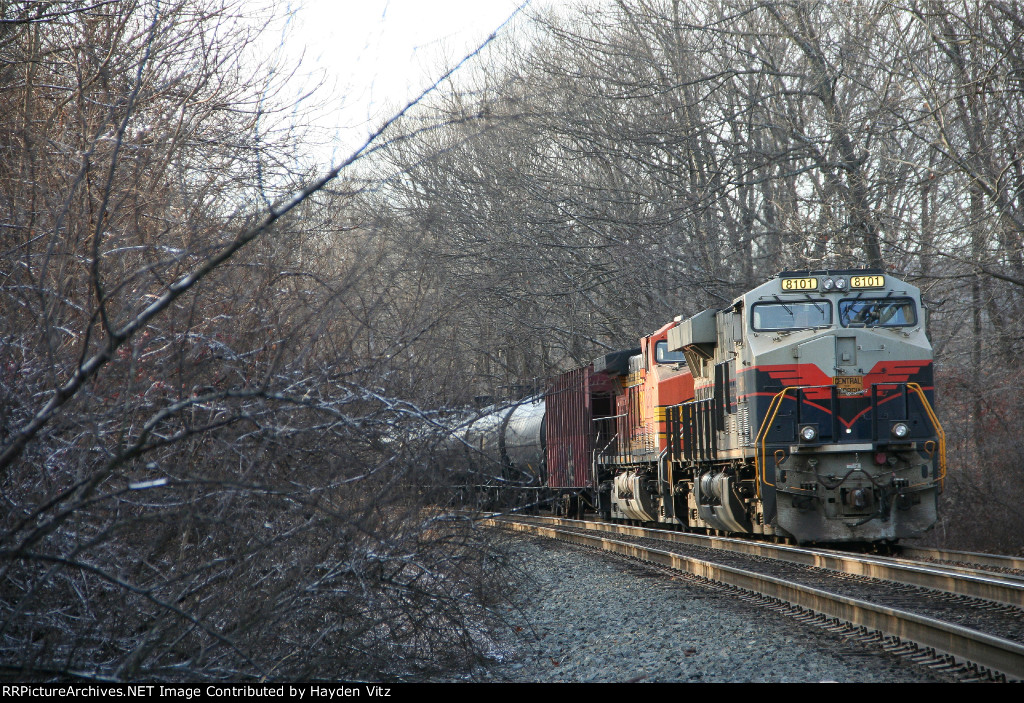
x=803 y=411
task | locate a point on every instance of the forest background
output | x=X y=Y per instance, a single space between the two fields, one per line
x=224 y=368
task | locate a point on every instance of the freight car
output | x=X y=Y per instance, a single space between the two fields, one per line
x=501 y=450
x=803 y=411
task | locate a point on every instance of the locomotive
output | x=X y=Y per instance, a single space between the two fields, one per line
x=801 y=412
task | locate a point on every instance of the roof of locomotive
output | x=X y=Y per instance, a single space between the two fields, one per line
x=830 y=272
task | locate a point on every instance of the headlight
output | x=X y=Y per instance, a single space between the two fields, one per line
x=900 y=430
x=828 y=284
x=808 y=433
x=841 y=283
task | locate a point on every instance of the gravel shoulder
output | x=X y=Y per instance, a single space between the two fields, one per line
x=583 y=616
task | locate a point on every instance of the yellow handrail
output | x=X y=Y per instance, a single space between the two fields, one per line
x=940 y=433
x=760 y=467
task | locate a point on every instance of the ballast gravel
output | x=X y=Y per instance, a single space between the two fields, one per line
x=583 y=616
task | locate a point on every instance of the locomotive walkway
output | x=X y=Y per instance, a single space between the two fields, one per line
x=954 y=617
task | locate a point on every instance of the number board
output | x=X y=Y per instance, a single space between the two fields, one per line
x=789 y=284
x=867 y=282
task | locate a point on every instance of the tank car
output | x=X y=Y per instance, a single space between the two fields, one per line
x=502 y=449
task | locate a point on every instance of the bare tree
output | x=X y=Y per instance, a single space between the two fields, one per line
x=207 y=469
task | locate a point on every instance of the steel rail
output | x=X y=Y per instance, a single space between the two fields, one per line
x=965 y=646
x=991 y=587
x=1010 y=575
x=997 y=560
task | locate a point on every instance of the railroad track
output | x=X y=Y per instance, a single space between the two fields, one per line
x=955 y=617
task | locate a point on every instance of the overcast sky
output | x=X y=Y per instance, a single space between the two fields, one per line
x=376 y=55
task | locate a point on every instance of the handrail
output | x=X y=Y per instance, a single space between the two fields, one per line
x=760 y=467
x=610 y=422
x=940 y=433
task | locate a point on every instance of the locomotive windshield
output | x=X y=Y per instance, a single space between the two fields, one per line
x=791 y=315
x=663 y=356
x=877 y=312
